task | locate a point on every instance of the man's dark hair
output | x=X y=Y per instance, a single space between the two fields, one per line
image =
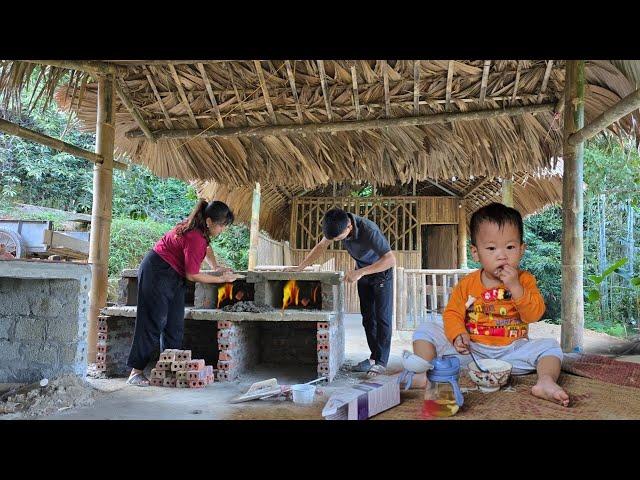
x=334 y=222
x=495 y=213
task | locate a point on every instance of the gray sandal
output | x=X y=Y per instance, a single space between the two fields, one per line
x=139 y=380
x=363 y=366
x=376 y=370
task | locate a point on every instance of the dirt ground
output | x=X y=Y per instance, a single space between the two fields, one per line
x=112 y=399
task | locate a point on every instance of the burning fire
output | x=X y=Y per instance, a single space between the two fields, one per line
x=291 y=294
x=224 y=292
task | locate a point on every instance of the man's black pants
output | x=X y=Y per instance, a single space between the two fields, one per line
x=376 y=305
x=160 y=312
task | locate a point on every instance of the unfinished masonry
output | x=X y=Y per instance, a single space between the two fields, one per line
x=300 y=323
x=43 y=319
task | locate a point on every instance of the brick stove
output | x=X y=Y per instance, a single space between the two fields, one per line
x=306 y=327
x=309 y=331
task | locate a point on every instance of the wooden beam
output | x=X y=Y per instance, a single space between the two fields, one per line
x=356 y=98
x=134 y=111
x=624 y=107
x=545 y=79
x=294 y=91
x=462 y=234
x=18 y=131
x=325 y=92
x=101 y=210
x=447 y=103
x=485 y=80
x=516 y=82
x=167 y=122
x=507 y=192
x=416 y=87
x=385 y=81
x=255 y=228
x=183 y=96
x=212 y=98
x=265 y=91
x=89 y=66
x=475 y=186
x=444 y=189
x=572 y=305
x=311 y=128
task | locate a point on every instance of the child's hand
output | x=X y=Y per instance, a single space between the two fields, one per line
x=509 y=276
x=461 y=343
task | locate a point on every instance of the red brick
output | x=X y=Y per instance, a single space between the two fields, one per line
x=195 y=365
x=101 y=367
x=155 y=373
x=196 y=374
x=167 y=357
x=156 y=382
x=100 y=357
x=224 y=324
x=183 y=375
x=196 y=383
x=179 y=366
x=323 y=346
x=226 y=344
x=323 y=326
x=163 y=365
x=323 y=336
x=222 y=365
x=102 y=337
x=183 y=356
x=323 y=355
x=170 y=382
x=101 y=348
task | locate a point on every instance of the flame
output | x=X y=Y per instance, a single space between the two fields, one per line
x=315 y=294
x=224 y=292
x=291 y=294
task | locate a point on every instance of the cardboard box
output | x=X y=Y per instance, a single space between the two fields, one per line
x=364 y=400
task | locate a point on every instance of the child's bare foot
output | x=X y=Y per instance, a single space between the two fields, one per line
x=547 y=389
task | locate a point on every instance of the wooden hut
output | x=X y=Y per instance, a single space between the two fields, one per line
x=283 y=131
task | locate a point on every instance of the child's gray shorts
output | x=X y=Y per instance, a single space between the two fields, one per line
x=523 y=354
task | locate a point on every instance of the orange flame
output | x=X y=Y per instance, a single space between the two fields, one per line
x=224 y=292
x=315 y=294
x=291 y=294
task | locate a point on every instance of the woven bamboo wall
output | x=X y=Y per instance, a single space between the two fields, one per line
x=270 y=252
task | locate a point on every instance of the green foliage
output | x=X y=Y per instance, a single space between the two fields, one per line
x=131 y=240
x=232 y=247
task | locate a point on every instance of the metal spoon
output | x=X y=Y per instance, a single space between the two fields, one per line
x=484 y=370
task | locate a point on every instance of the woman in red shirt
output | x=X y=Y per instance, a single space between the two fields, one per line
x=162 y=277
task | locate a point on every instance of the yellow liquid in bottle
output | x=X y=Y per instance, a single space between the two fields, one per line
x=444 y=406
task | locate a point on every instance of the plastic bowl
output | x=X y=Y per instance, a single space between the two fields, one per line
x=303 y=394
x=498 y=375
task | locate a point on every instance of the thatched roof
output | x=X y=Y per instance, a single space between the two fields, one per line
x=220 y=97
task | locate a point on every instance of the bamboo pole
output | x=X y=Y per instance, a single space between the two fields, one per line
x=462 y=234
x=89 y=66
x=572 y=211
x=101 y=209
x=342 y=126
x=14 y=129
x=507 y=192
x=255 y=228
x=624 y=107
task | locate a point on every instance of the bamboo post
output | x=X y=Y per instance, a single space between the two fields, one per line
x=572 y=211
x=101 y=210
x=255 y=228
x=462 y=234
x=507 y=192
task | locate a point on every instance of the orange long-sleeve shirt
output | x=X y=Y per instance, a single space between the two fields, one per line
x=489 y=315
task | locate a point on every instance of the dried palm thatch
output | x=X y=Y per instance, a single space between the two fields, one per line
x=215 y=97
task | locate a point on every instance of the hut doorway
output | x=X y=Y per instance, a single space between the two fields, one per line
x=439 y=246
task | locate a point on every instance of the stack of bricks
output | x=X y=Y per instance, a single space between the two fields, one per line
x=176 y=368
x=323 y=349
x=101 y=348
x=238 y=346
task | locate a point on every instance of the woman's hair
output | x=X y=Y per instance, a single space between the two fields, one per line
x=218 y=212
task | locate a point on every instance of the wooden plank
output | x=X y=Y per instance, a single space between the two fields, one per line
x=167 y=121
x=485 y=80
x=416 y=87
x=344 y=126
x=133 y=111
x=545 y=79
x=572 y=306
x=325 y=92
x=183 y=96
x=447 y=103
x=434 y=294
x=212 y=98
x=385 y=81
x=356 y=100
x=61 y=240
x=292 y=83
x=265 y=90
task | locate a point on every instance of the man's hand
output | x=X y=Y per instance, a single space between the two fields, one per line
x=461 y=343
x=352 y=276
x=509 y=276
x=295 y=268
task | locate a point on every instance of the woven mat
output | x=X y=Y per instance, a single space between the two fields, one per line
x=603 y=368
x=591 y=400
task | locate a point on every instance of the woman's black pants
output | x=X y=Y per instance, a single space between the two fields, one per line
x=160 y=313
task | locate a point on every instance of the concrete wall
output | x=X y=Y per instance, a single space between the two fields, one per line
x=43 y=321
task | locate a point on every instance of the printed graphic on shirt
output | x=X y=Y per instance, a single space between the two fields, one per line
x=494 y=314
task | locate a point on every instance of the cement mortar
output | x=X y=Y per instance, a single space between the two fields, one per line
x=248 y=306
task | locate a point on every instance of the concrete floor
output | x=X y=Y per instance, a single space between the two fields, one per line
x=117 y=401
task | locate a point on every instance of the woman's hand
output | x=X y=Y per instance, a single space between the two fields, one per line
x=228 y=277
x=222 y=269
